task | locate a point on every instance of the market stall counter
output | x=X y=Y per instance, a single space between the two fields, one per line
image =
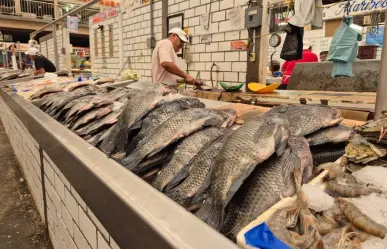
x=87 y=199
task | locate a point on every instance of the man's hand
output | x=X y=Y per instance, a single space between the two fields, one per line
x=190 y=80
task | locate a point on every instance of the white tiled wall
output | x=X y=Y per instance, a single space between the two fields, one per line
x=71 y=223
x=105 y=64
x=232 y=64
x=47 y=49
x=136 y=30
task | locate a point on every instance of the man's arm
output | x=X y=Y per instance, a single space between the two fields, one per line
x=39 y=66
x=172 y=68
x=166 y=54
x=40 y=71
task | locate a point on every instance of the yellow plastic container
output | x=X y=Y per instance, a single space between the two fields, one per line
x=261 y=88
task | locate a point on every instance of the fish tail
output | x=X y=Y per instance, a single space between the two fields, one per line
x=133 y=160
x=211 y=213
x=175 y=194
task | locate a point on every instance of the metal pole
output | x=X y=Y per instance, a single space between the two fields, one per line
x=381 y=94
x=164 y=15
x=264 y=47
x=55 y=47
x=19 y=52
x=64 y=17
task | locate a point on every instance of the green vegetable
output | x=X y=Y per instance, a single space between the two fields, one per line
x=231 y=88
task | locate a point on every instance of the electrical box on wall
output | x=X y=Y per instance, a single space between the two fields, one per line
x=253 y=17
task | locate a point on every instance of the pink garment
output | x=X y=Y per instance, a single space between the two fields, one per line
x=163 y=52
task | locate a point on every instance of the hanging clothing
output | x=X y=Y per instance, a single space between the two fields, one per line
x=344 y=48
x=307 y=12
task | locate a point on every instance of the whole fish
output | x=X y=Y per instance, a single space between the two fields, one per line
x=253 y=143
x=306 y=119
x=161 y=114
x=70 y=97
x=98 y=124
x=76 y=106
x=75 y=85
x=176 y=170
x=44 y=91
x=335 y=134
x=135 y=109
x=199 y=172
x=181 y=125
x=267 y=185
x=60 y=116
x=94 y=114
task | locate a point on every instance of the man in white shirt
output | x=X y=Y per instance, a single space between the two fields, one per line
x=164 y=68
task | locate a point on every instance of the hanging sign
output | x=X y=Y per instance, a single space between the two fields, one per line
x=72 y=24
x=105 y=15
x=238 y=45
x=373 y=38
x=356 y=7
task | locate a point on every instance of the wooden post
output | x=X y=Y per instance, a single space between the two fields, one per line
x=264 y=46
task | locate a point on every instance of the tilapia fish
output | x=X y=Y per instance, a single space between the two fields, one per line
x=135 y=109
x=74 y=85
x=181 y=125
x=161 y=114
x=62 y=114
x=335 y=134
x=44 y=91
x=271 y=181
x=83 y=107
x=125 y=93
x=176 y=170
x=67 y=99
x=250 y=145
x=306 y=119
x=199 y=172
x=99 y=124
x=92 y=115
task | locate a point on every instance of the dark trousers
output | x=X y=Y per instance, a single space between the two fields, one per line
x=283 y=87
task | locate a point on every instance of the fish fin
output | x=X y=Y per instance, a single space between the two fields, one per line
x=133 y=160
x=281 y=145
x=212 y=214
x=108 y=144
x=177 y=195
x=177 y=179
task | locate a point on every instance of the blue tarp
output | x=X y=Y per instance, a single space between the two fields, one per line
x=261 y=237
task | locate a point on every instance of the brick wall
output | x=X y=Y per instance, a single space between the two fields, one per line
x=232 y=64
x=71 y=223
x=104 y=64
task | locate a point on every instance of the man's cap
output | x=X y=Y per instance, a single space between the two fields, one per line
x=32 y=51
x=180 y=33
x=306 y=45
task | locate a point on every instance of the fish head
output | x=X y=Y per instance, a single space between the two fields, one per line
x=230 y=115
x=336 y=116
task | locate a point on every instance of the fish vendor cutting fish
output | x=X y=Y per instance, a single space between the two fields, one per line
x=164 y=68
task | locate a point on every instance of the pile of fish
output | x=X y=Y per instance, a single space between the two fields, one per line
x=15 y=75
x=343 y=225
x=226 y=174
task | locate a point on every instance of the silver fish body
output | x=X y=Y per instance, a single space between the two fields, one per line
x=306 y=119
x=335 y=134
x=199 y=172
x=176 y=170
x=269 y=182
x=250 y=145
x=174 y=129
